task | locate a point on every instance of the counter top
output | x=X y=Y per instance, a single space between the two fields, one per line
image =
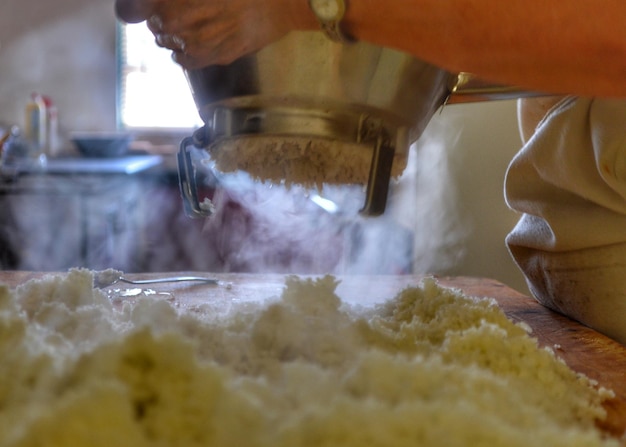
x=119 y=165
x=583 y=349
x=83 y=165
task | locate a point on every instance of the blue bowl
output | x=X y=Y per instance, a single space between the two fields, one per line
x=102 y=144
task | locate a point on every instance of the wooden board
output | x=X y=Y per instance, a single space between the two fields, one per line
x=583 y=349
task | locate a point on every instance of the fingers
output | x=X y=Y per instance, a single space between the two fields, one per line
x=133 y=11
x=197 y=56
x=155 y=24
x=172 y=42
x=202 y=32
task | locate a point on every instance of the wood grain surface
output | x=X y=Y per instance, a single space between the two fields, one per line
x=583 y=349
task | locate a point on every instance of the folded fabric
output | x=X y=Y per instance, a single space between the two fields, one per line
x=569 y=183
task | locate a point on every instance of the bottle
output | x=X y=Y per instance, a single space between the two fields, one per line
x=36 y=124
x=41 y=128
x=51 y=147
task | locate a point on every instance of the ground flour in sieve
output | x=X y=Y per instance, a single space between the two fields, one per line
x=430 y=367
x=298 y=160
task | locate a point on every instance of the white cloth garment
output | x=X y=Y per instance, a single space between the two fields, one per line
x=569 y=183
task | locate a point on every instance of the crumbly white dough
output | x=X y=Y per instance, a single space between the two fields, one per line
x=430 y=367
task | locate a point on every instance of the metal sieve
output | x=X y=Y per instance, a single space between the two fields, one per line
x=306 y=87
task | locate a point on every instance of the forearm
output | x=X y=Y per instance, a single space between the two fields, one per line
x=576 y=46
x=569 y=46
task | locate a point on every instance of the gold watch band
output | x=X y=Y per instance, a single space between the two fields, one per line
x=333 y=32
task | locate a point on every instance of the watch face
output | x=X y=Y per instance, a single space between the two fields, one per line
x=327 y=9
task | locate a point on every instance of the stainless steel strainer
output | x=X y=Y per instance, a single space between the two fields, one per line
x=308 y=87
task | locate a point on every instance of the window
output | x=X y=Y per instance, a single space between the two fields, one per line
x=153 y=91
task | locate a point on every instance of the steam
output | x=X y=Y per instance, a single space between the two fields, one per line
x=461 y=218
x=134 y=225
x=266 y=228
x=440 y=227
x=263 y=228
x=257 y=228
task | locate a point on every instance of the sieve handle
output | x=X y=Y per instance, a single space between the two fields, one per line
x=465 y=87
x=373 y=131
x=187 y=181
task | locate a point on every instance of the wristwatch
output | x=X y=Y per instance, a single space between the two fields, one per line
x=329 y=13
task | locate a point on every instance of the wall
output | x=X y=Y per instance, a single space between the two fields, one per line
x=66 y=48
x=462 y=220
x=62 y=48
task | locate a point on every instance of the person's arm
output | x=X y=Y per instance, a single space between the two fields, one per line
x=573 y=46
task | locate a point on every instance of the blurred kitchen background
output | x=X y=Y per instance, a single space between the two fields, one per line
x=447 y=214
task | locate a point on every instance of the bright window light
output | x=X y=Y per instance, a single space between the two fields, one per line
x=153 y=90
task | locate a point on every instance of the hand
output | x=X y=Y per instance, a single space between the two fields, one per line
x=209 y=32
